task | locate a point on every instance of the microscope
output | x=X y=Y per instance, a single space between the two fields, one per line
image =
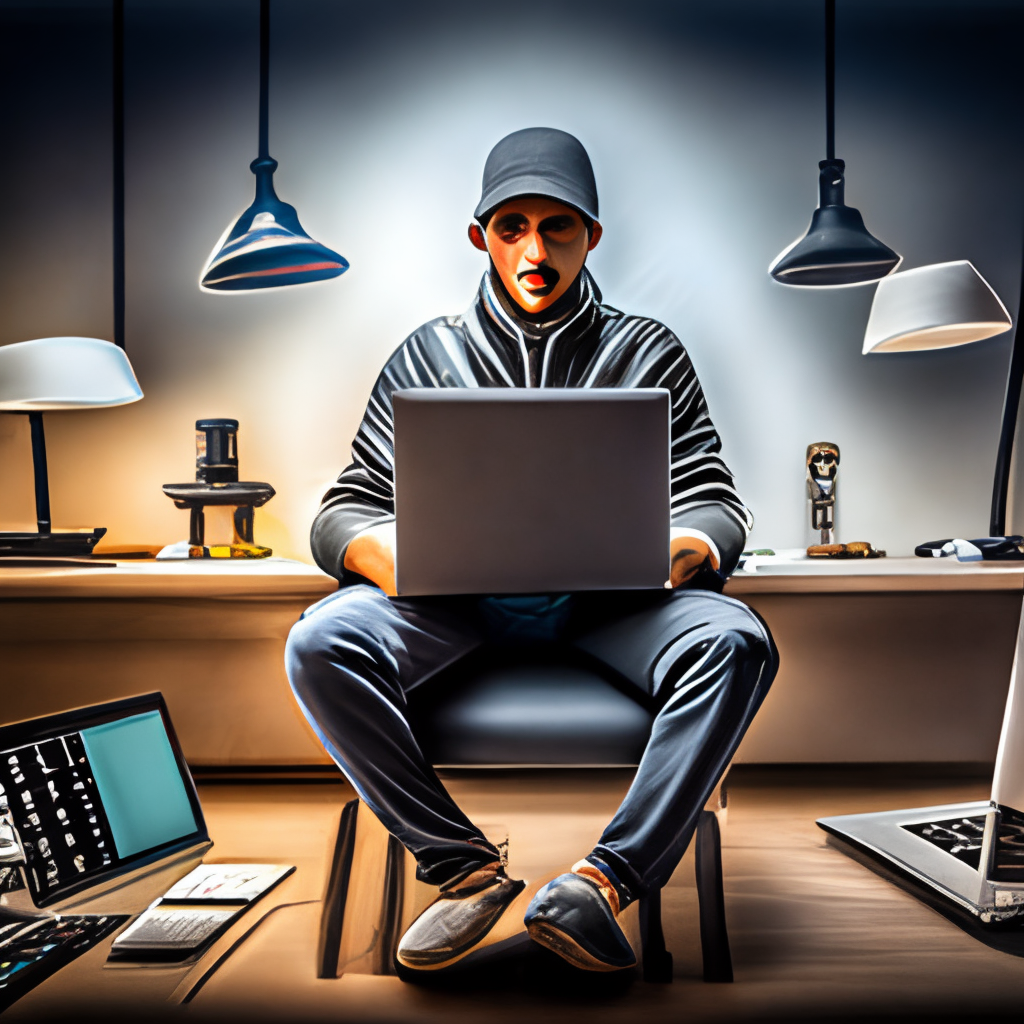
x=222 y=507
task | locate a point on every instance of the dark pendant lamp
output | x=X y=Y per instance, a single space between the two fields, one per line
x=837 y=248
x=267 y=246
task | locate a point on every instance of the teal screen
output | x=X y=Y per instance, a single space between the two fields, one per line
x=139 y=782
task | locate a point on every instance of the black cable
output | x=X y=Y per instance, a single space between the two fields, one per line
x=226 y=955
x=118 y=105
x=264 y=77
x=830 y=79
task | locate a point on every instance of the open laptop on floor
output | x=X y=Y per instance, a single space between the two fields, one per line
x=96 y=795
x=93 y=800
x=531 y=490
x=971 y=854
x=90 y=800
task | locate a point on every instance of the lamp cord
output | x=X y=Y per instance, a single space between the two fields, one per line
x=118 y=105
x=830 y=79
x=1008 y=428
x=264 y=78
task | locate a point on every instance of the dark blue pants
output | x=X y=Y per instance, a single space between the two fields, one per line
x=705 y=661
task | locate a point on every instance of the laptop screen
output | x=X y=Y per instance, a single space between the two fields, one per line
x=95 y=792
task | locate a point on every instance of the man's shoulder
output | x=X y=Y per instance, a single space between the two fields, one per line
x=439 y=325
x=615 y=321
x=431 y=332
x=424 y=355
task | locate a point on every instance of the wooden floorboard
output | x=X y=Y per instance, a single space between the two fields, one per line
x=815 y=934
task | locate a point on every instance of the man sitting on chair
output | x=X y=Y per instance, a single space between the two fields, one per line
x=705 y=660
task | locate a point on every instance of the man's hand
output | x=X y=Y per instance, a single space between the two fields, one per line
x=687 y=555
x=372 y=554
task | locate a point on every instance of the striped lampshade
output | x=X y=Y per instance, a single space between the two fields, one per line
x=267 y=246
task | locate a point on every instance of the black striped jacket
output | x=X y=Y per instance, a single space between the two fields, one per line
x=591 y=346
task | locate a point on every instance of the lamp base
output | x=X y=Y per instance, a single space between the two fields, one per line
x=77 y=542
x=238 y=550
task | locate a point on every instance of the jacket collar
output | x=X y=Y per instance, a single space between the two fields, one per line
x=555 y=336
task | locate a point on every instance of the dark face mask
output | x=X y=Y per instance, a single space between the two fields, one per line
x=555 y=311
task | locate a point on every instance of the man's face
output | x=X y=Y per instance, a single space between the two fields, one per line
x=538 y=247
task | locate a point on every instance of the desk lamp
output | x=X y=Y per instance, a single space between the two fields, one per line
x=940 y=306
x=59 y=373
x=266 y=247
x=970 y=856
x=837 y=249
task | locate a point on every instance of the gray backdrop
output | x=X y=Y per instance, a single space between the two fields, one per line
x=705 y=122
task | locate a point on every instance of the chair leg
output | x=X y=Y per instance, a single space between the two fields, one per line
x=332 y=920
x=714 y=938
x=388 y=933
x=657 y=959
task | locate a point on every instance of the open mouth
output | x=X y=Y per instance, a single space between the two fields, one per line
x=539 y=281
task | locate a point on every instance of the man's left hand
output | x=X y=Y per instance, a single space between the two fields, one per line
x=687 y=555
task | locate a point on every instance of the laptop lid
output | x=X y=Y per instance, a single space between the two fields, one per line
x=95 y=793
x=1008 y=779
x=531 y=490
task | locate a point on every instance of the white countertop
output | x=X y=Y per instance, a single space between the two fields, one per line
x=145 y=578
x=792 y=572
x=283 y=578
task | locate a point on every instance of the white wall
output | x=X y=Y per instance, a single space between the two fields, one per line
x=705 y=124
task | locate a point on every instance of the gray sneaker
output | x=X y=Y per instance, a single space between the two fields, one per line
x=456 y=921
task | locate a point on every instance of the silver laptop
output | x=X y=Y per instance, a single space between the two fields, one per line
x=970 y=854
x=526 y=490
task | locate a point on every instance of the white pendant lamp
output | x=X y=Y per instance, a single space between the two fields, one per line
x=937 y=306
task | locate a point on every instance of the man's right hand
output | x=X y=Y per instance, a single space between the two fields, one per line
x=372 y=554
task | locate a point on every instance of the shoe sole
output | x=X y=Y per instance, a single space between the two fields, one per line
x=455 y=958
x=569 y=949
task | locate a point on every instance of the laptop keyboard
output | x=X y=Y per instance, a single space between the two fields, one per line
x=962 y=837
x=959 y=837
x=32 y=949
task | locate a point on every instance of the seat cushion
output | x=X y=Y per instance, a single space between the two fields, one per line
x=530 y=714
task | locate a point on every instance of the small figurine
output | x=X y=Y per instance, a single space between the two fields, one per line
x=822 y=471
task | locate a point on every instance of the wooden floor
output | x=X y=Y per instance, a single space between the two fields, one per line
x=815 y=934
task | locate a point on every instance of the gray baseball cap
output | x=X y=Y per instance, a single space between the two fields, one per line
x=538 y=162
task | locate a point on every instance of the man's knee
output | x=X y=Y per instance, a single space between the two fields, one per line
x=731 y=639
x=344 y=633
x=750 y=647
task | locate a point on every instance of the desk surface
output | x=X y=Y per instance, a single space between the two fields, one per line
x=283 y=578
x=206 y=578
x=782 y=575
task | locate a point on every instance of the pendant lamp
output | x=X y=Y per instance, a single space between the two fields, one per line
x=937 y=306
x=837 y=248
x=266 y=247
